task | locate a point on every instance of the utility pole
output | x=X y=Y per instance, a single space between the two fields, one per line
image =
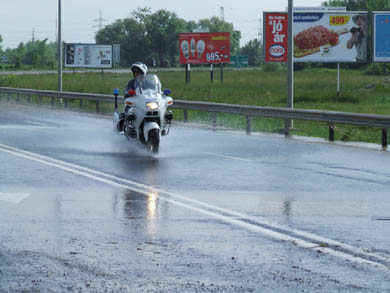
x=290 y=66
x=100 y=21
x=33 y=35
x=222 y=13
x=59 y=48
x=260 y=29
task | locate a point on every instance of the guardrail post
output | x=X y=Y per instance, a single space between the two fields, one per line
x=384 y=137
x=52 y=101
x=287 y=127
x=248 y=124
x=81 y=103
x=40 y=100
x=331 y=132
x=214 y=119
x=9 y=97
x=185 y=116
x=66 y=103
x=97 y=106
x=28 y=99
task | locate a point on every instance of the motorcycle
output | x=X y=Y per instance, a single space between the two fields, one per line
x=146 y=117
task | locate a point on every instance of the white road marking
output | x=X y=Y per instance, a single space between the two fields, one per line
x=23 y=127
x=13 y=197
x=36 y=123
x=229 y=157
x=300 y=238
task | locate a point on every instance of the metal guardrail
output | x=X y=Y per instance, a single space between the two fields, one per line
x=330 y=117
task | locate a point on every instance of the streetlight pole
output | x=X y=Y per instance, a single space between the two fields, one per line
x=290 y=66
x=59 y=48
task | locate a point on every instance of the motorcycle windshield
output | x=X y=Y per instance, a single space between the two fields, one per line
x=148 y=83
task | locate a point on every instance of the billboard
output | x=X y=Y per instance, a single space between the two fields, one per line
x=330 y=37
x=239 y=61
x=204 y=48
x=88 y=55
x=276 y=29
x=381 y=36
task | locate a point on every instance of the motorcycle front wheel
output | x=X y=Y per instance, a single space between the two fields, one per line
x=153 y=141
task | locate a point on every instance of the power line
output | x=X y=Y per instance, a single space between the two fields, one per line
x=100 y=21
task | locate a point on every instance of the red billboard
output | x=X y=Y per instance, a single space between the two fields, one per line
x=204 y=48
x=276 y=40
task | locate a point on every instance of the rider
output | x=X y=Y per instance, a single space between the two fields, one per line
x=138 y=68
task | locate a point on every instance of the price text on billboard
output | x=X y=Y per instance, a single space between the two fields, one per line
x=204 y=48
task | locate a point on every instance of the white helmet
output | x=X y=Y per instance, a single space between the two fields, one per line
x=139 y=65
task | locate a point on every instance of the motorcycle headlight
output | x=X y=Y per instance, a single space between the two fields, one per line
x=152 y=105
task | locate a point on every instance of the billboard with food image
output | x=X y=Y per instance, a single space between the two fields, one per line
x=204 y=48
x=330 y=37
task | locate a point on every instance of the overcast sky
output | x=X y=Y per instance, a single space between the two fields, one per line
x=19 y=18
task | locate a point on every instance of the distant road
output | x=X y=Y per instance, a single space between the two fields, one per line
x=126 y=70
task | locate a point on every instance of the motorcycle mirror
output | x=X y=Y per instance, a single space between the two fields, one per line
x=167 y=92
x=132 y=93
x=116 y=91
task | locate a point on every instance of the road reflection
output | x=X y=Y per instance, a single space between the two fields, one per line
x=143 y=208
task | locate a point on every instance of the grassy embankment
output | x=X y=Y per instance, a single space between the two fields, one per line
x=314 y=89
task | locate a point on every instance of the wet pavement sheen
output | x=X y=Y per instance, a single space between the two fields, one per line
x=190 y=219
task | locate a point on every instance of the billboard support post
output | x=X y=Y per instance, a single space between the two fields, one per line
x=221 y=72
x=211 y=73
x=338 y=79
x=290 y=67
x=188 y=70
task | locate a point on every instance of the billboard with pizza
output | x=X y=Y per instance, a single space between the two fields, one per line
x=330 y=37
x=204 y=48
x=317 y=36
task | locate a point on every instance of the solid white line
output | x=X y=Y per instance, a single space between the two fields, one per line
x=143 y=189
x=229 y=157
x=36 y=123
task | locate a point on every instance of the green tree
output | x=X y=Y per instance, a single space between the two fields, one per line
x=39 y=54
x=215 y=24
x=1 y=46
x=149 y=37
x=254 y=50
x=130 y=35
x=163 y=28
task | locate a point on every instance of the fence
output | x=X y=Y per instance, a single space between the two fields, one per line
x=330 y=117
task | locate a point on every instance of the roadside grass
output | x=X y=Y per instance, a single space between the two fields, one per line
x=313 y=89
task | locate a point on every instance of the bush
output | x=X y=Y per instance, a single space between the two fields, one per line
x=272 y=66
x=378 y=69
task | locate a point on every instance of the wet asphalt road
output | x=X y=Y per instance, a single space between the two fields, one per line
x=215 y=211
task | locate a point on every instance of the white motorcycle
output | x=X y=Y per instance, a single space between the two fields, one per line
x=146 y=116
